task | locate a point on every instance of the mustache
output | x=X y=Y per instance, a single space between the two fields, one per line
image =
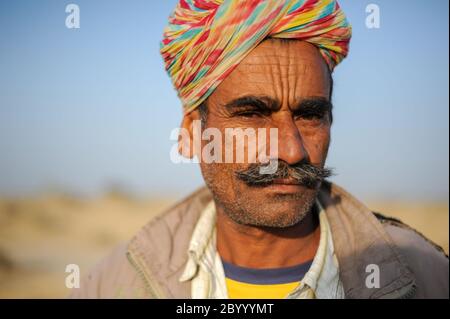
x=303 y=173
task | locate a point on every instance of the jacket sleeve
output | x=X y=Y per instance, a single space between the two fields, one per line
x=427 y=261
x=112 y=278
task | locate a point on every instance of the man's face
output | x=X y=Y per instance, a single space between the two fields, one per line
x=283 y=85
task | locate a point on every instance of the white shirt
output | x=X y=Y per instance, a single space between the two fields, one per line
x=204 y=267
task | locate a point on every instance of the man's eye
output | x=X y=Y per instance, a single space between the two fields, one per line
x=311 y=116
x=248 y=114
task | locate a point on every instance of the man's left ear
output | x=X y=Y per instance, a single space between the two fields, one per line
x=186 y=138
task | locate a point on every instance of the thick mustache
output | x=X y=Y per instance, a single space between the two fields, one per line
x=302 y=173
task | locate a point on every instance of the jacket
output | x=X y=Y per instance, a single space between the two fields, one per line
x=151 y=263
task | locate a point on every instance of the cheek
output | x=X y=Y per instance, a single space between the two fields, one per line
x=211 y=179
x=221 y=180
x=316 y=142
x=215 y=176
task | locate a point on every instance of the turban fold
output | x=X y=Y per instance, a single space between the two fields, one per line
x=206 y=39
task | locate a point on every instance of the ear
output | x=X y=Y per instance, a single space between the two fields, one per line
x=189 y=139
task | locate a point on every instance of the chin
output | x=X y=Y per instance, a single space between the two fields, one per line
x=275 y=211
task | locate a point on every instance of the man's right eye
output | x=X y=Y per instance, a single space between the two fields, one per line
x=248 y=114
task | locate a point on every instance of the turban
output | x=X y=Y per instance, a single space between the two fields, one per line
x=206 y=39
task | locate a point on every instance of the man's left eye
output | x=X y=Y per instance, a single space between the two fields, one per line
x=311 y=116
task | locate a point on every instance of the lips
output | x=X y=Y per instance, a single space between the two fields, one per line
x=284 y=186
x=285 y=181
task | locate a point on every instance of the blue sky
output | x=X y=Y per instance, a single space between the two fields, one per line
x=83 y=109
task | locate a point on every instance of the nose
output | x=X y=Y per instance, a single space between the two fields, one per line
x=291 y=148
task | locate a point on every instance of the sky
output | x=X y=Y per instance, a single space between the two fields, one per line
x=85 y=109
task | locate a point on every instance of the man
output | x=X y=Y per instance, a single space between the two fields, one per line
x=252 y=234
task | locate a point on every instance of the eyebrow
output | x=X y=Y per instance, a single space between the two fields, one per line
x=314 y=104
x=269 y=104
x=262 y=103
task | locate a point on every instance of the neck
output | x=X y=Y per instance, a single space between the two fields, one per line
x=267 y=247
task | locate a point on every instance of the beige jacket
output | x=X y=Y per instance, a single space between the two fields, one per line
x=150 y=265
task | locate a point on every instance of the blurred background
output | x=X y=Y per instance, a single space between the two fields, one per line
x=86 y=116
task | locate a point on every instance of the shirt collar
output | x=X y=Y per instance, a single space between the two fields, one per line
x=203 y=233
x=322 y=277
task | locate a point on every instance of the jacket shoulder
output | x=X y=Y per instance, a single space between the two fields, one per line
x=174 y=214
x=427 y=260
x=395 y=222
x=161 y=245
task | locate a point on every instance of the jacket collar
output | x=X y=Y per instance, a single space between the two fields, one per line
x=362 y=245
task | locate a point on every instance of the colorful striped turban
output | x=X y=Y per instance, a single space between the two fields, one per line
x=206 y=39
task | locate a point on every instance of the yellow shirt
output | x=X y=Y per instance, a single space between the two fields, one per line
x=268 y=283
x=243 y=290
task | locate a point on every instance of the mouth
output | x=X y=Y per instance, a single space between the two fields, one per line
x=285 y=181
x=284 y=186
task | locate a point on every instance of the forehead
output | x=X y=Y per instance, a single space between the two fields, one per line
x=285 y=70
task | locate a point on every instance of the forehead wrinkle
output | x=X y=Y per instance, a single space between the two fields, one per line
x=278 y=72
x=273 y=74
x=275 y=83
x=257 y=68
